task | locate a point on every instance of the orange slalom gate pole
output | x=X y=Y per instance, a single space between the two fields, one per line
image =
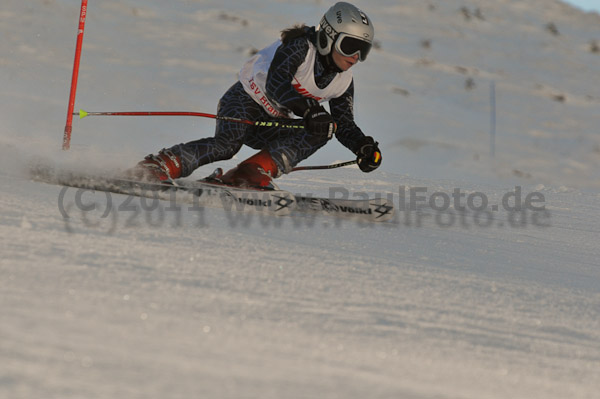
x=69 y=125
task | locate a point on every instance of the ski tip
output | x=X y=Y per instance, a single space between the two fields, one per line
x=82 y=114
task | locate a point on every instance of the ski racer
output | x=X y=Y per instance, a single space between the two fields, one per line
x=292 y=76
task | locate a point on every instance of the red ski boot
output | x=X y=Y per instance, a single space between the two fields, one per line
x=163 y=167
x=257 y=171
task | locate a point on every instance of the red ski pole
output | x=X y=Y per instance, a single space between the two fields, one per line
x=298 y=124
x=291 y=123
x=69 y=124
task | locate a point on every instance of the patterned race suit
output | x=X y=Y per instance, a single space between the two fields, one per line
x=287 y=146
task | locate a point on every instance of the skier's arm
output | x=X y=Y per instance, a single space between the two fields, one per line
x=350 y=135
x=342 y=111
x=285 y=63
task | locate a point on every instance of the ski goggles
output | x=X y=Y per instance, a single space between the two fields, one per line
x=348 y=46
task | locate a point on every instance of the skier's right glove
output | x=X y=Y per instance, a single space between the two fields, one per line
x=317 y=120
x=368 y=156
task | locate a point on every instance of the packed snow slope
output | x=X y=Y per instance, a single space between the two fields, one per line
x=461 y=296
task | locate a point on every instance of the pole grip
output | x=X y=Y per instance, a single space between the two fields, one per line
x=69 y=125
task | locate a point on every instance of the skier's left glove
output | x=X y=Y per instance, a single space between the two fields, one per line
x=368 y=156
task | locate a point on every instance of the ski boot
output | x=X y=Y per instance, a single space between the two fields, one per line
x=161 y=168
x=255 y=172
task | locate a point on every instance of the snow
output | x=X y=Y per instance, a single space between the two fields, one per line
x=163 y=300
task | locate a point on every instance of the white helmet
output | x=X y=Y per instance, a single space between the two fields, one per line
x=346 y=29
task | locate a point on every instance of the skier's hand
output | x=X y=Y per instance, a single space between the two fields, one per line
x=368 y=156
x=317 y=120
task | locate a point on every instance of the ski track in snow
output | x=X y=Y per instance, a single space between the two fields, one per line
x=208 y=303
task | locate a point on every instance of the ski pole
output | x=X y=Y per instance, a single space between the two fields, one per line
x=82 y=114
x=333 y=166
x=273 y=123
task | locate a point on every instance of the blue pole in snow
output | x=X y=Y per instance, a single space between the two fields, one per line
x=493 y=119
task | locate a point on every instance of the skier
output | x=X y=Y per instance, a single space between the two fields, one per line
x=309 y=65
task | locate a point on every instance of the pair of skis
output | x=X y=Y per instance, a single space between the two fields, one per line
x=212 y=194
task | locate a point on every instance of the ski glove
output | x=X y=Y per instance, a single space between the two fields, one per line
x=317 y=120
x=368 y=156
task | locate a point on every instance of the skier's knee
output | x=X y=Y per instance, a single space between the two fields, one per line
x=227 y=150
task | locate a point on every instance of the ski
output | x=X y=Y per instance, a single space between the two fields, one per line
x=370 y=210
x=214 y=194
x=277 y=202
